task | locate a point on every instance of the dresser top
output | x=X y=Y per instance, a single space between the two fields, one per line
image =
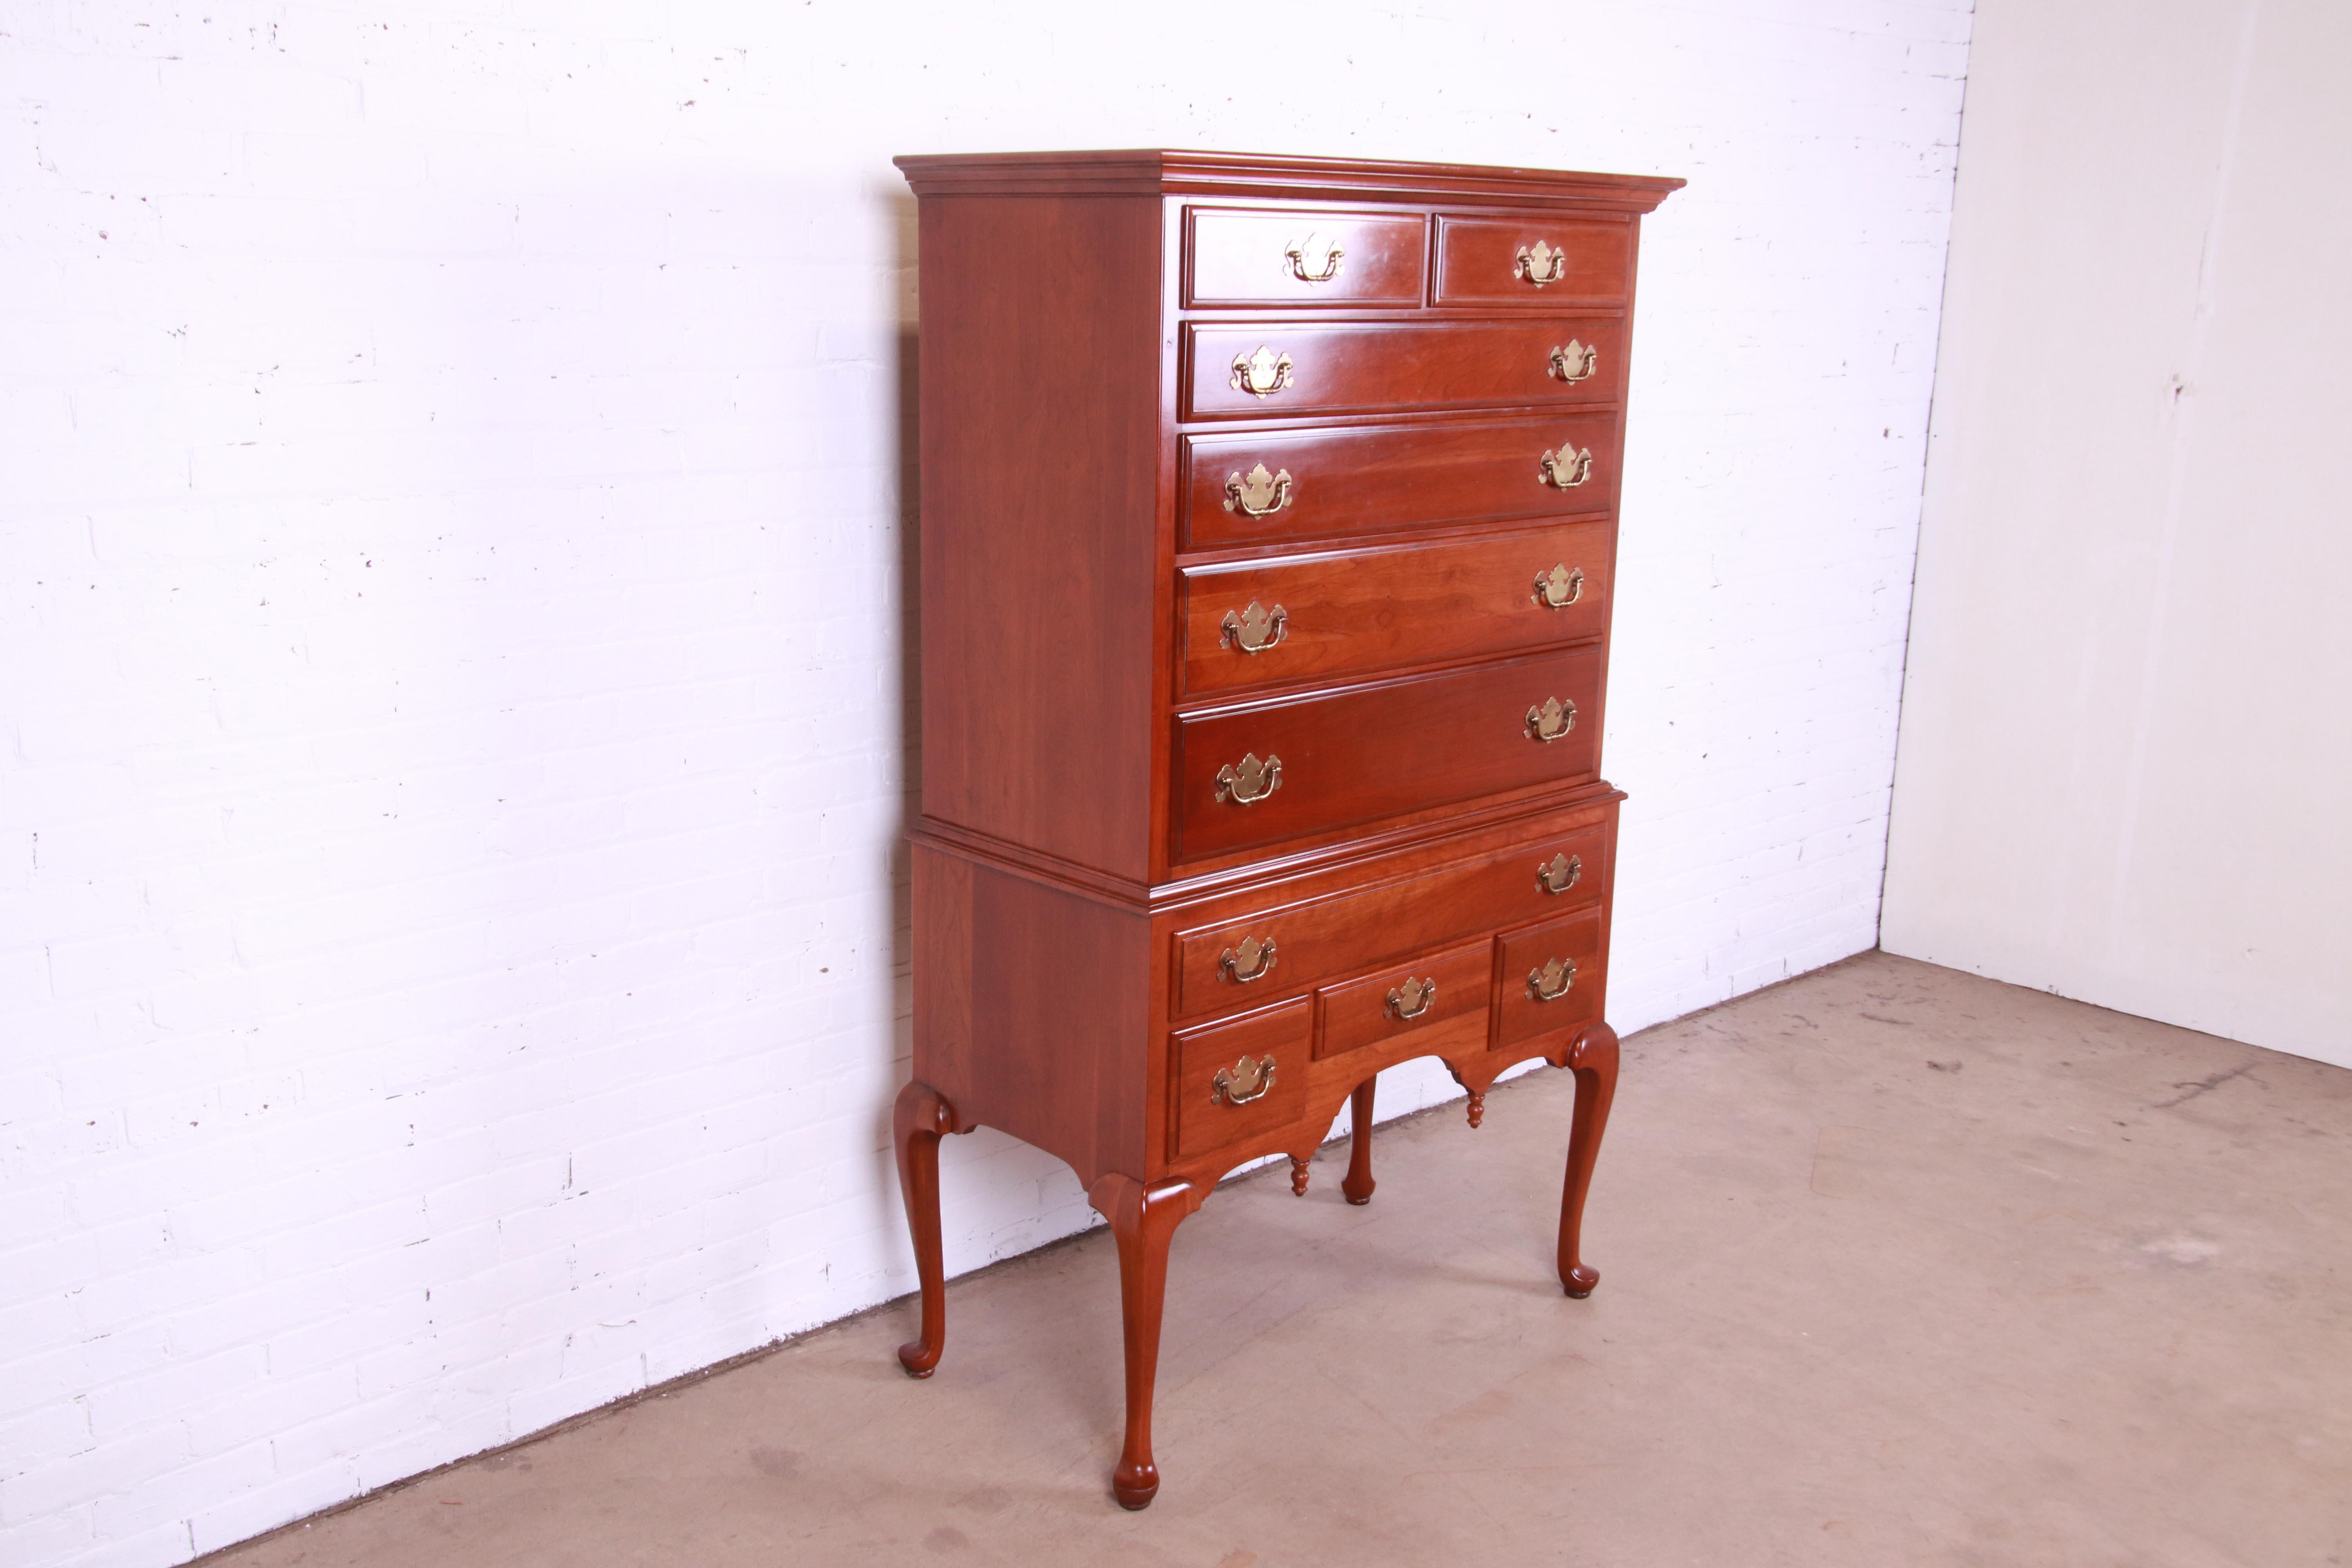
x=1159 y=171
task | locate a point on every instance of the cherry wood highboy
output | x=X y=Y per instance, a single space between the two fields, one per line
x=1269 y=508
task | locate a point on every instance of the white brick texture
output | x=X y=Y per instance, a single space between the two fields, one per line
x=453 y=658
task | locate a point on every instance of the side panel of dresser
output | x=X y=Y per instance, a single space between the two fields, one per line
x=1040 y=400
x=1033 y=1009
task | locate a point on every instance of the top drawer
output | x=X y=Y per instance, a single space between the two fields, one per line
x=1535 y=261
x=1241 y=256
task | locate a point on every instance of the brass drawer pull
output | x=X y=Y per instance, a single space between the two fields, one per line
x=1249 y=781
x=1560 y=587
x=1540 y=264
x=1566 y=469
x=1263 y=374
x=1253 y=630
x=1260 y=494
x=1560 y=873
x=1571 y=364
x=1550 y=721
x=1243 y=1081
x=1250 y=960
x=1551 y=983
x=1413 y=998
x=1330 y=251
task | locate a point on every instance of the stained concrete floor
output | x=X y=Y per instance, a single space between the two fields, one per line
x=1898 y=1266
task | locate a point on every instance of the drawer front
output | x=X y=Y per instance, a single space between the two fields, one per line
x=1325 y=939
x=1237 y=257
x=1335 y=760
x=1561 y=956
x=1276 y=369
x=1535 y=261
x=1346 y=483
x=1437 y=1003
x=1222 y=1093
x=1253 y=623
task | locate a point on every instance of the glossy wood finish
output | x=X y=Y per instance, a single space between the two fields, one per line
x=1372 y=366
x=917 y=1122
x=1143 y=1219
x=1380 y=919
x=1361 y=753
x=1240 y=256
x=1077 y=883
x=1357 y=1184
x=1012 y=743
x=1352 y=481
x=1477 y=261
x=1360 y=612
x=1372 y=1011
x=1593 y=1060
x=1278 y=1038
x=1520 y=1015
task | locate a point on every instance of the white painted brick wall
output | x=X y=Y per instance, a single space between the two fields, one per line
x=451 y=742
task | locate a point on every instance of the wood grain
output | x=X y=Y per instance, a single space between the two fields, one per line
x=1355 y=755
x=1352 y=481
x=1360 y=612
x=1362 y=366
x=1236 y=256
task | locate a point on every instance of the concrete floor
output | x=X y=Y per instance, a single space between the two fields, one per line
x=1898 y=1266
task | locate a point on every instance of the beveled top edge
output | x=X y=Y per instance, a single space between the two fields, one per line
x=1160 y=171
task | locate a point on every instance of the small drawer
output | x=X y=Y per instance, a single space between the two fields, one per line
x=1273 y=486
x=1433 y=1004
x=1253 y=623
x=1241 y=256
x=1551 y=977
x=1276 y=369
x=1320 y=940
x=1240 y=1076
x=1336 y=759
x=1535 y=261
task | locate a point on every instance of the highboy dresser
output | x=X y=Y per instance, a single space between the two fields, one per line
x=1269 y=507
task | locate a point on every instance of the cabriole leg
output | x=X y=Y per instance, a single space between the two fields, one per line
x=1142 y=1220
x=917 y=1122
x=1593 y=1060
x=1358 y=1184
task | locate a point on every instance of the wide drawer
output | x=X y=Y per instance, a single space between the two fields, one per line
x=1535 y=261
x=1266 y=487
x=1239 y=1077
x=1244 y=256
x=1318 y=939
x=1306 y=765
x=1255 y=623
x=1274 y=369
x=1551 y=978
x=1433 y=1004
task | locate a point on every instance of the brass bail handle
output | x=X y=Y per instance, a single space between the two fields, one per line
x=1560 y=587
x=1257 y=493
x=1540 y=264
x=1551 y=983
x=1314 y=245
x=1249 y=781
x=1571 y=362
x=1550 y=719
x=1265 y=373
x=1566 y=469
x=1413 y=998
x=1560 y=873
x=1246 y=1080
x=1250 y=960
x=1252 y=629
